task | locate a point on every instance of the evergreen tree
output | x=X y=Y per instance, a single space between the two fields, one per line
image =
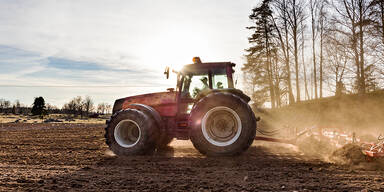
x=38 y=107
x=261 y=54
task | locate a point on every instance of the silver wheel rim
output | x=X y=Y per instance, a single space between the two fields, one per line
x=221 y=126
x=127 y=133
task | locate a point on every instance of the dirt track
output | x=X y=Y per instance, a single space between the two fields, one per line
x=74 y=157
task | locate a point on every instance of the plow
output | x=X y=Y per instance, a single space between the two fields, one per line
x=374 y=150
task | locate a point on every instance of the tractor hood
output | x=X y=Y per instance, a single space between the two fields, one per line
x=151 y=99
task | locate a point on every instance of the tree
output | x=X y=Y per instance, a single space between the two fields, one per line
x=260 y=54
x=255 y=77
x=5 y=105
x=352 y=20
x=78 y=105
x=88 y=105
x=281 y=8
x=291 y=14
x=38 y=107
x=337 y=60
x=296 y=15
x=75 y=106
x=322 y=22
x=108 y=108
x=103 y=108
x=376 y=13
x=303 y=62
x=314 y=15
x=16 y=107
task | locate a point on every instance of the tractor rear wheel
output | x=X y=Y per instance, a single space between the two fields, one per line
x=131 y=132
x=222 y=125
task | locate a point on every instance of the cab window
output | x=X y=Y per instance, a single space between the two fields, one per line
x=194 y=84
x=219 y=81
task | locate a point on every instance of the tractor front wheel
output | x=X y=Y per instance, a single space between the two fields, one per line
x=131 y=132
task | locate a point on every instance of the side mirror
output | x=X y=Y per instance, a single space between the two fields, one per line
x=166 y=72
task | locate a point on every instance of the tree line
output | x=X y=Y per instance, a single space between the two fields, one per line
x=77 y=106
x=308 y=49
x=85 y=106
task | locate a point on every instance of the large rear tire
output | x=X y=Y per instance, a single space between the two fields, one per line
x=222 y=124
x=131 y=132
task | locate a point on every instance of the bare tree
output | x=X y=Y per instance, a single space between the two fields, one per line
x=79 y=105
x=6 y=105
x=282 y=28
x=16 y=107
x=314 y=16
x=2 y=105
x=101 y=108
x=337 y=60
x=108 y=108
x=352 y=20
x=376 y=14
x=303 y=61
x=88 y=105
x=296 y=15
x=74 y=106
x=321 y=26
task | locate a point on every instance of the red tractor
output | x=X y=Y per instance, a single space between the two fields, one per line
x=205 y=107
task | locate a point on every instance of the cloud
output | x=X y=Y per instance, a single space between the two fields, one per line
x=25 y=75
x=116 y=42
x=60 y=63
x=25 y=68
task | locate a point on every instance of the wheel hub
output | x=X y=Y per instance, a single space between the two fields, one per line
x=127 y=133
x=221 y=126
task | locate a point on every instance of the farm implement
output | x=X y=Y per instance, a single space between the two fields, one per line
x=374 y=150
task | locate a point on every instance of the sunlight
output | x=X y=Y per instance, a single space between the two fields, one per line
x=175 y=47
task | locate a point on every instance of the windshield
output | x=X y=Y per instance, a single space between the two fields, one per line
x=219 y=81
x=195 y=84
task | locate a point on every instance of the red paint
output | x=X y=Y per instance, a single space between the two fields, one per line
x=163 y=102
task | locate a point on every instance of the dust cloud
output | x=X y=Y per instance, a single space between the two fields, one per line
x=329 y=126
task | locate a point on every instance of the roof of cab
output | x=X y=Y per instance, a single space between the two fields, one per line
x=202 y=67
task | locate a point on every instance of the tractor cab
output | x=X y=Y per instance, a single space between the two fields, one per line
x=199 y=79
x=199 y=76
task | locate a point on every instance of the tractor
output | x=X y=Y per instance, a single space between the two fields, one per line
x=205 y=107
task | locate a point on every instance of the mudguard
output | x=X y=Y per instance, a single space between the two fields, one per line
x=234 y=91
x=149 y=110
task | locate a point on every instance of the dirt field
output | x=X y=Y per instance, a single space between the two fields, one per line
x=57 y=157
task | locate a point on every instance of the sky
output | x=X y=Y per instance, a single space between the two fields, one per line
x=112 y=49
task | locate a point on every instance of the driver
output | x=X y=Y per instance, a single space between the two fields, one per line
x=196 y=90
x=204 y=80
x=219 y=85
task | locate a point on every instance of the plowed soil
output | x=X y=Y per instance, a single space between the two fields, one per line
x=74 y=157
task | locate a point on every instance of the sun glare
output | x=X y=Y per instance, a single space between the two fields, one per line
x=175 y=48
